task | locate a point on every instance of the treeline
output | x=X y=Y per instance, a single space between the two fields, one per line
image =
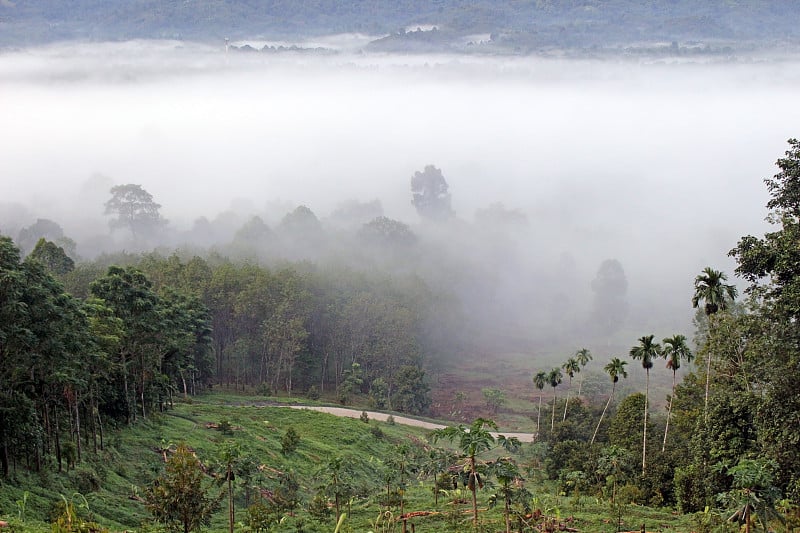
x=82 y=346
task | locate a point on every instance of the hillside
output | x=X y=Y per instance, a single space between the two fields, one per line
x=108 y=487
x=514 y=26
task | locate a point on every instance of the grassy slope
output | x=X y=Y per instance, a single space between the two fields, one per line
x=133 y=460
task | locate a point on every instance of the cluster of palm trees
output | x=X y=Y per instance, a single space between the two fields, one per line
x=709 y=289
x=554 y=378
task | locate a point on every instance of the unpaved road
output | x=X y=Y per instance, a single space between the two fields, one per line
x=353 y=413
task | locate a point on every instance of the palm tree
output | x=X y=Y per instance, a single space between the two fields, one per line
x=571 y=367
x=539 y=381
x=472 y=441
x=583 y=356
x=646 y=350
x=717 y=296
x=554 y=378
x=675 y=350
x=507 y=473
x=615 y=368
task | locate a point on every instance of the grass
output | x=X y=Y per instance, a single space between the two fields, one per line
x=112 y=482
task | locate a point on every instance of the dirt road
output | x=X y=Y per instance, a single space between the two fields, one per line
x=354 y=413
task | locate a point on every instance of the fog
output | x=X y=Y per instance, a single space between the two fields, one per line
x=658 y=164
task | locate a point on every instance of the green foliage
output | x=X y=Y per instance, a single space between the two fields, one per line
x=53 y=257
x=290 y=441
x=225 y=427
x=494 y=398
x=180 y=497
x=68 y=519
x=752 y=492
x=411 y=392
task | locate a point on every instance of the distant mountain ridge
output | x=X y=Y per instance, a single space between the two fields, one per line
x=523 y=25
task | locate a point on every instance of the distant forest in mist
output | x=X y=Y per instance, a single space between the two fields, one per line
x=470 y=286
x=514 y=26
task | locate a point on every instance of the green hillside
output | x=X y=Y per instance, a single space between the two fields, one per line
x=109 y=487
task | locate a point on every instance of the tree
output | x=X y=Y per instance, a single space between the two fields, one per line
x=540 y=380
x=386 y=232
x=583 y=356
x=571 y=367
x=46 y=229
x=752 y=491
x=554 y=378
x=179 y=496
x=437 y=461
x=53 y=257
x=494 y=398
x=429 y=194
x=709 y=287
x=616 y=464
x=337 y=482
x=675 y=350
x=411 y=394
x=615 y=368
x=646 y=351
x=229 y=453
x=290 y=441
x=473 y=441
x=771 y=264
x=134 y=209
x=610 y=287
x=511 y=489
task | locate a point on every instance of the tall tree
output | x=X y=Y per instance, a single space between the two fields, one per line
x=615 y=368
x=429 y=194
x=710 y=288
x=646 y=351
x=610 y=287
x=570 y=367
x=675 y=351
x=554 y=378
x=133 y=208
x=771 y=264
x=583 y=356
x=540 y=380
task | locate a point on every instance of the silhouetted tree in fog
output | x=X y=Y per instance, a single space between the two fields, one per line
x=134 y=209
x=610 y=287
x=429 y=194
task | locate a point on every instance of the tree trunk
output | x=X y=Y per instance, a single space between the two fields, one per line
x=474 y=488
x=77 y=427
x=231 y=512
x=507 y=516
x=553 y=417
x=708 y=369
x=539 y=416
x=566 y=403
x=708 y=384
x=100 y=426
x=644 y=432
x=669 y=413
x=125 y=389
x=603 y=414
x=58 y=440
x=4 y=454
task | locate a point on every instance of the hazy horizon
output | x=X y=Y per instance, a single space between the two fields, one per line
x=658 y=164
